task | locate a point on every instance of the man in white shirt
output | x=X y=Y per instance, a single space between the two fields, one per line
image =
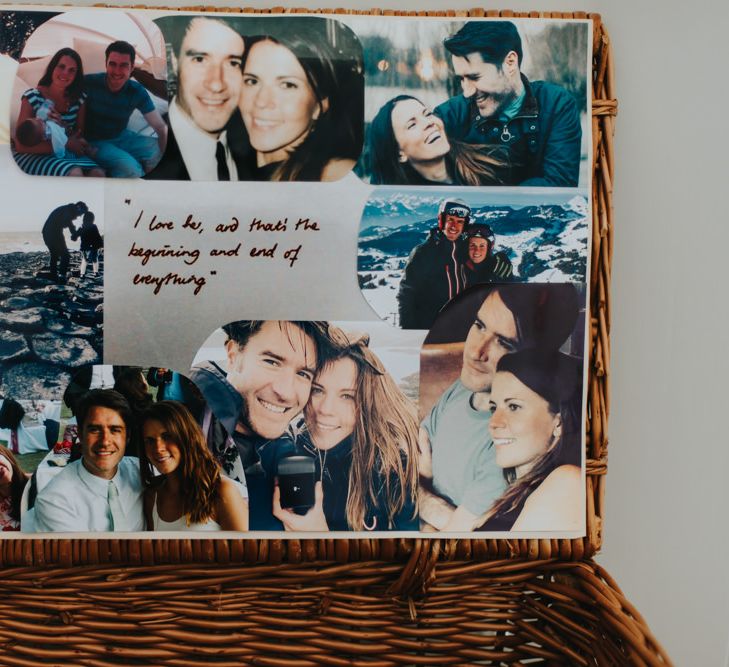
x=101 y=491
x=209 y=81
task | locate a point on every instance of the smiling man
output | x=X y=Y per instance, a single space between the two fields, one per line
x=536 y=121
x=459 y=479
x=209 y=81
x=433 y=274
x=265 y=385
x=111 y=98
x=101 y=491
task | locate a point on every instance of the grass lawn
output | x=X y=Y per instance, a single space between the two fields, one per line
x=29 y=462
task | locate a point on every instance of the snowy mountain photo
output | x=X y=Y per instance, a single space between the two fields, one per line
x=544 y=234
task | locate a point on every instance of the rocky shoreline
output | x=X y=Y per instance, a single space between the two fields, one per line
x=47 y=330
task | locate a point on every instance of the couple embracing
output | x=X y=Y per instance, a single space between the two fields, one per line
x=503 y=129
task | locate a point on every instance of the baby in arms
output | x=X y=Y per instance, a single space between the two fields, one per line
x=42 y=127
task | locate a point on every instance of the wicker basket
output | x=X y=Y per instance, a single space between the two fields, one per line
x=380 y=603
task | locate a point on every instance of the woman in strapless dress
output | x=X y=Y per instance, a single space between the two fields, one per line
x=184 y=487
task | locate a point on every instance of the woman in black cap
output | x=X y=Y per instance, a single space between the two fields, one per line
x=483 y=265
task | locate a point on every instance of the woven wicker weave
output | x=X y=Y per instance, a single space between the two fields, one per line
x=302 y=603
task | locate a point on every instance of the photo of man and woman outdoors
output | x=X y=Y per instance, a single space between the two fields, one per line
x=418 y=250
x=89 y=94
x=475 y=103
x=128 y=456
x=274 y=99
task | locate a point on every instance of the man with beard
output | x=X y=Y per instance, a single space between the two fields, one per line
x=536 y=121
x=267 y=382
x=433 y=274
x=204 y=115
x=459 y=479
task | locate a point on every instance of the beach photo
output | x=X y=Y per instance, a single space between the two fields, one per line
x=51 y=281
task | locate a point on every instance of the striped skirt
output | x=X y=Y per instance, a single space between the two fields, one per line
x=47 y=164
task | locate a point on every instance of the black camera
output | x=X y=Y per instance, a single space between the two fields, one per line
x=296 y=480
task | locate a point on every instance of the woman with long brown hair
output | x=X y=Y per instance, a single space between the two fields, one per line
x=60 y=93
x=302 y=100
x=361 y=431
x=407 y=145
x=535 y=426
x=12 y=483
x=189 y=492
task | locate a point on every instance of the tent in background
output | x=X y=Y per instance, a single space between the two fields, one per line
x=89 y=32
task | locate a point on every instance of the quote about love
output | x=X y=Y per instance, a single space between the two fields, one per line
x=163 y=265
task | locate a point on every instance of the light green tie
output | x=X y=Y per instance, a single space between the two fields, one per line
x=118 y=519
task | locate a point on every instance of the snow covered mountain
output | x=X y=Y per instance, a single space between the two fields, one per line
x=546 y=242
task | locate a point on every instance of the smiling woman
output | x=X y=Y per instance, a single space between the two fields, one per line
x=188 y=492
x=535 y=406
x=12 y=483
x=360 y=431
x=302 y=100
x=408 y=145
x=49 y=130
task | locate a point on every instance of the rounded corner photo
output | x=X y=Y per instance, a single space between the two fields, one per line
x=89 y=94
x=319 y=418
x=418 y=249
x=262 y=99
x=485 y=102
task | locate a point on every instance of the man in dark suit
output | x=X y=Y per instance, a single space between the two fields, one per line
x=206 y=139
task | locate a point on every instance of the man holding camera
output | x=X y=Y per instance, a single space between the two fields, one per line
x=267 y=382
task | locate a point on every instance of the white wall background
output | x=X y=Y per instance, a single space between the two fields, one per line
x=666 y=531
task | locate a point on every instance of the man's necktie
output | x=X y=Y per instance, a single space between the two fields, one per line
x=118 y=520
x=223 y=171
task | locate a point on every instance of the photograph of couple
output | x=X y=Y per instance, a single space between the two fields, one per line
x=310 y=405
x=488 y=102
x=129 y=456
x=500 y=440
x=89 y=95
x=419 y=249
x=274 y=99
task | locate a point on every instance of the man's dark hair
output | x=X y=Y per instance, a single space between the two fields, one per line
x=243 y=330
x=81 y=207
x=492 y=39
x=544 y=313
x=125 y=48
x=104 y=398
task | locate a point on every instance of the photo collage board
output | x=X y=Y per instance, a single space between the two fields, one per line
x=403 y=203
